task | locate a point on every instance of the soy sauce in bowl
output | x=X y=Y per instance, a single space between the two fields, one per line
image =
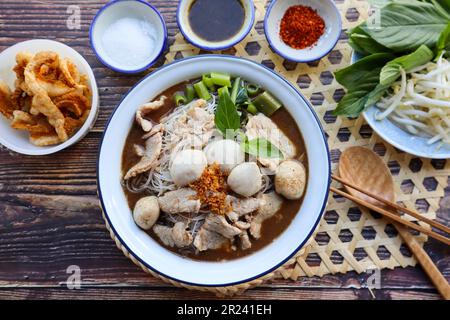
x=216 y=20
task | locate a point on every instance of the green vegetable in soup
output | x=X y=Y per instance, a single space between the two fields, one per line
x=190 y=93
x=222 y=90
x=206 y=79
x=227 y=119
x=221 y=79
x=266 y=103
x=236 y=86
x=251 y=108
x=253 y=89
x=179 y=99
x=202 y=90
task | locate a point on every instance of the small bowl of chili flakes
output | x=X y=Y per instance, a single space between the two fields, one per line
x=302 y=30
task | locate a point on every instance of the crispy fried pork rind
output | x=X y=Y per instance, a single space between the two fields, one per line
x=51 y=99
x=6 y=104
x=42 y=139
x=34 y=124
x=72 y=102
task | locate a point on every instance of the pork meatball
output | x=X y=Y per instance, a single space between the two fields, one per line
x=146 y=212
x=290 y=179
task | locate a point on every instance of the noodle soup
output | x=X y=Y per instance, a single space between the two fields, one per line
x=214 y=168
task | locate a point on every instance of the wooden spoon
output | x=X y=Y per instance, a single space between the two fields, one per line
x=365 y=169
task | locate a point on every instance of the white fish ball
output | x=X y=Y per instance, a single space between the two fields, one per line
x=227 y=153
x=187 y=167
x=245 y=179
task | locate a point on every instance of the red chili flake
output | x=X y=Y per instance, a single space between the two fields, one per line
x=301 y=27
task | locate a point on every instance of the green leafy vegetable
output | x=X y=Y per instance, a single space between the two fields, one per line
x=398 y=27
x=443 y=43
x=242 y=97
x=239 y=93
x=261 y=147
x=363 y=43
x=375 y=95
x=443 y=6
x=360 y=79
x=227 y=118
x=379 y=3
x=222 y=90
x=353 y=76
x=391 y=71
x=404 y=25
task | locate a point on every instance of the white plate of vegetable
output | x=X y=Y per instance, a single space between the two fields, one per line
x=400 y=76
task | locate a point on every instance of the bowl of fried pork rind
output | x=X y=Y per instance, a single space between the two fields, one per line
x=48 y=97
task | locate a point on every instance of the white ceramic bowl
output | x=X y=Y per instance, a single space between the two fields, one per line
x=18 y=140
x=117 y=9
x=189 y=34
x=400 y=138
x=333 y=26
x=148 y=251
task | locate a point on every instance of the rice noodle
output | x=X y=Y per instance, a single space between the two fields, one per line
x=158 y=181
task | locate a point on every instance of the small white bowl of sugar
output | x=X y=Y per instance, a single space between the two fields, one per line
x=128 y=36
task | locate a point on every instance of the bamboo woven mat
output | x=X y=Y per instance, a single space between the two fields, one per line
x=347 y=238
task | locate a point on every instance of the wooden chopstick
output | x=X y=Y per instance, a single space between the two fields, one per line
x=394 y=205
x=391 y=215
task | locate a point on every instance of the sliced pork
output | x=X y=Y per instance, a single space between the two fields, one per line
x=177 y=236
x=270 y=204
x=241 y=206
x=182 y=200
x=149 y=156
x=260 y=126
x=145 y=109
x=206 y=240
x=220 y=225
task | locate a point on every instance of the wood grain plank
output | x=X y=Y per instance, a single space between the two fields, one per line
x=175 y=294
x=49 y=214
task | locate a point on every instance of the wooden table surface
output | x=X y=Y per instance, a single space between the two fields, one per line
x=49 y=214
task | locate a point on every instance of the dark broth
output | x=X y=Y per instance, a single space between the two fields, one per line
x=278 y=223
x=216 y=20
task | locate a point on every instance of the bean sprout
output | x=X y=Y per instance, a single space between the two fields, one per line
x=420 y=102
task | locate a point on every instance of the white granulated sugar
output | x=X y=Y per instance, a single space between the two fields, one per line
x=129 y=41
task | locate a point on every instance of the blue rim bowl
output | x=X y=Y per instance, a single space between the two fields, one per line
x=327 y=9
x=145 y=251
x=162 y=45
x=192 y=38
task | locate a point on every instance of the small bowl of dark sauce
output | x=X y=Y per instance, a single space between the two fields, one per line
x=215 y=24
